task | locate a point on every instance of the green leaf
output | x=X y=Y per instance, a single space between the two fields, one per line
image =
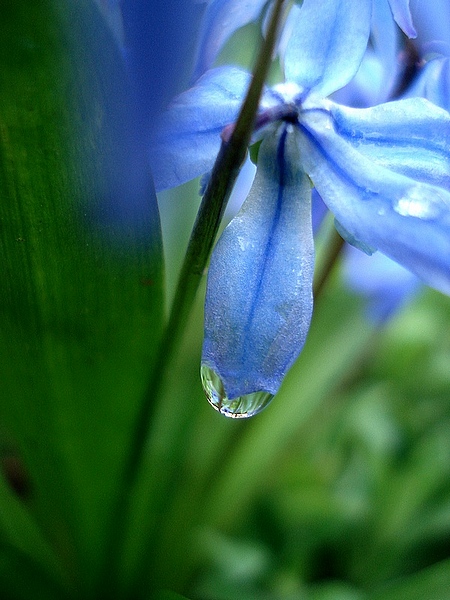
x=21 y=541
x=80 y=249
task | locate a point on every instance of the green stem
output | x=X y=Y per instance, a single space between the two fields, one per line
x=332 y=251
x=223 y=177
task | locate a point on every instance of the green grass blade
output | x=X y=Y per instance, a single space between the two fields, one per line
x=80 y=249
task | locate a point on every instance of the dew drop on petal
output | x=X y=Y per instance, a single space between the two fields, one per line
x=421 y=205
x=241 y=407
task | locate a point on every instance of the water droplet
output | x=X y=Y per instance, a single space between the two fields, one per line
x=236 y=408
x=418 y=202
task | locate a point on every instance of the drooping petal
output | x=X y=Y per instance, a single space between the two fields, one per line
x=402 y=16
x=327 y=44
x=385 y=174
x=259 y=293
x=188 y=138
x=221 y=19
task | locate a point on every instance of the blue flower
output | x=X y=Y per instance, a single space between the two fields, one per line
x=223 y=17
x=384 y=172
x=152 y=38
x=380 y=67
x=425 y=68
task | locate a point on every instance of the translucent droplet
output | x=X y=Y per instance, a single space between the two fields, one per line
x=420 y=204
x=236 y=408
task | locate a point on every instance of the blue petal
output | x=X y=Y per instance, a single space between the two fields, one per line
x=157 y=38
x=408 y=136
x=188 y=139
x=385 y=174
x=259 y=293
x=384 y=284
x=433 y=83
x=432 y=20
x=319 y=211
x=378 y=72
x=402 y=16
x=327 y=44
x=222 y=18
x=112 y=13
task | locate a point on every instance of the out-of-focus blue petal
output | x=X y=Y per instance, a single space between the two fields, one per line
x=385 y=40
x=221 y=19
x=319 y=210
x=286 y=31
x=158 y=49
x=188 y=138
x=432 y=20
x=433 y=83
x=112 y=13
x=385 y=174
x=366 y=88
x=327 y=44
x=379 y=69
x=402 y=16
x=124 y=200
x=385 y=284
x=259 y=292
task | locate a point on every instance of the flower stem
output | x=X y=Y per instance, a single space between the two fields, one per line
x=225 y=171
x=332 y=251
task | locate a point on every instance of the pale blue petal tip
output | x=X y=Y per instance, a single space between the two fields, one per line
x=402 y=16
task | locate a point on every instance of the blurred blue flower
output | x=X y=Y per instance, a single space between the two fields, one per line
x=384 y=172
x=385 y=284
x=156 y=42
x=423 y=69
x=147 y=65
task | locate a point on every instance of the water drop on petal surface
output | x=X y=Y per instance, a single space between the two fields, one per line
x=241 y=407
